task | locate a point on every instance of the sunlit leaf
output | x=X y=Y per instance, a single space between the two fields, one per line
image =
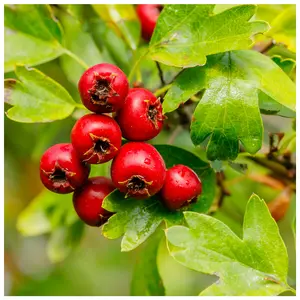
x=283 y=28
x=36 y=97
x=32 y=35
x=252 y=266
x=146 y=279
x=229 y=109
x=185 y=34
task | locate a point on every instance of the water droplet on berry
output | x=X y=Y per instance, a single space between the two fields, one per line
x=147 y=161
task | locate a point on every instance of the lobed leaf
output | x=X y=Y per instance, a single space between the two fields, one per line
x=229 y=109
x=252 y=266
x=185 y=34
x=146 y=280
x=36 y=97
x=32 y=35
x=283 y=28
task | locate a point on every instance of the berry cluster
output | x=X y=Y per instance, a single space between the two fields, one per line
x=137 y=169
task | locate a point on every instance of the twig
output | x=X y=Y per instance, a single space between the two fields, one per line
x=223 y=191
x=272 y=147
x=174 y=134
x=278 y=168
x=161 y=74
x=264 y=47
x=184 y=117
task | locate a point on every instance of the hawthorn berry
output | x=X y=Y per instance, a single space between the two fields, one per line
x=96 y=138
x=61 y=170
x=182 y=186
x=138 y=170
x=87 y=200
x=103 y=88
x=141 y=117
x=148 y=15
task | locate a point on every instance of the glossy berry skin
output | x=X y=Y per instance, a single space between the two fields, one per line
x=138 y=170
x=88 y=199
x=182 y=186
x=96 y=138
x=148 y=15
x=103 y=88
x=141 y=118
x=61 y=170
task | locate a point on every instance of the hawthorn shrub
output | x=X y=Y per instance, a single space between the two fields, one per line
x=181 y=132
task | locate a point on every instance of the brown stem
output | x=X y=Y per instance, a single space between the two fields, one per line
x=184 y=117
x=223 y=190
x=264 y=47
x=174 y=134
x=161 y=74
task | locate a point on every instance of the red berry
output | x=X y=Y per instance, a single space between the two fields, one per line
x=138 y=170
x=182 y=186
x=88 y=199
x=148 y=15
x=141 y=118
x=103 y=88
x=96 y=138
x=61 y=170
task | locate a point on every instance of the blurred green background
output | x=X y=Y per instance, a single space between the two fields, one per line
x=96 y=266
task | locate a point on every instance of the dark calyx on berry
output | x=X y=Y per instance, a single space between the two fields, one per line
x=102 y=90
x=136 y=185
x=102 y=146
x=59 y=177
x=154 y=114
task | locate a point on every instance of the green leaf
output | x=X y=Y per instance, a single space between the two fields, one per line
x=229 y=109
x=81 y=44
x=283 y=28
x=268 y=12
x=146 y=279
x=123 y=19
x=104 y=36
x=288 y=143
x=36 y=97
x=54 y=214
x=63 y=240
x=286 y=64
x=252 y=266
x=138 y=219
x=32 y=35
x=185 y=34
x=269 y=106
x=46 y=212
